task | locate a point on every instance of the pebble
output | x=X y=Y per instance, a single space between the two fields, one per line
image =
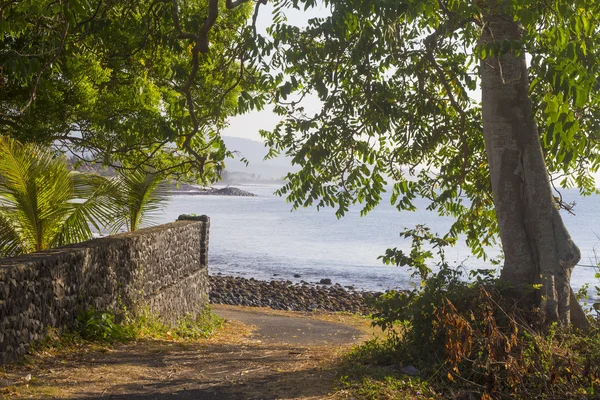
x=409 y=370
x=285 y=295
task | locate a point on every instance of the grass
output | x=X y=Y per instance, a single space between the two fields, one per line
x=97 y=331
x=377 y=383
x=372 y=371
x=190 y=327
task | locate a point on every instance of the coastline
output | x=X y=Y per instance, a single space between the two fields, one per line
x=259 y=237
x=189 y=190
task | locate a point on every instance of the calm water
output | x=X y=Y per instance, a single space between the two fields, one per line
x=260 y=237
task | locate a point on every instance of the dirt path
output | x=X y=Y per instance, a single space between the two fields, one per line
x=260 y=354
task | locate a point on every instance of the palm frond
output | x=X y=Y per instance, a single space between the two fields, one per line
x=11 y=243
x=19 y=168
x=91 y=205
x=43 y=204
x=142 y=193
x=55 y=196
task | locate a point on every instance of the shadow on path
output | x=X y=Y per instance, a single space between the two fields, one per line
x=284 y=357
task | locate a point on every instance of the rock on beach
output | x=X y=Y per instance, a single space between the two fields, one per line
x=190 y=190
x=285 y=295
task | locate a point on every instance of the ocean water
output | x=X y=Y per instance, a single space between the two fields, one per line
x=261 y=237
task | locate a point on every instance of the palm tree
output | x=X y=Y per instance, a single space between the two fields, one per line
x=140 y=193
x=43 y=204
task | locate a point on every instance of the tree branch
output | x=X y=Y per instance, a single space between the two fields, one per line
x=233 y=4
x=44 y=67
x=255 y=14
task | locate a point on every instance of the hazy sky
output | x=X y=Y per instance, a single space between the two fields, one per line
x=248 y=125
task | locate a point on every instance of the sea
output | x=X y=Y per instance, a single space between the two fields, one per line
x=263 y=238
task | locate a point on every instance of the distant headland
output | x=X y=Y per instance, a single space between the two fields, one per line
x=184 y=189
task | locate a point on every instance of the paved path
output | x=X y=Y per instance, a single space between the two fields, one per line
x=298 y=331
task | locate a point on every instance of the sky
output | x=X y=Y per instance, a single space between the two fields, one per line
x=248 y=125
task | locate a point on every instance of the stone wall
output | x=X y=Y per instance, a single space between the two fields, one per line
x=163 y=269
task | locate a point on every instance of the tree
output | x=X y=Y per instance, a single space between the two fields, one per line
x=127 y=82
x=43 y=204
x=536 y=244
x=395 y=81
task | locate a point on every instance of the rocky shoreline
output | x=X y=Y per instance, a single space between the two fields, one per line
x=285 y=295
x=189 y=190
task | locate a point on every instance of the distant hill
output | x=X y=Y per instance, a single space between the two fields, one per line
x=257 y=169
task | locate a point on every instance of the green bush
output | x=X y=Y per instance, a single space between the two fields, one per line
x=477 y=342
x=201 y=326
x=96 y=325
x=470 y=338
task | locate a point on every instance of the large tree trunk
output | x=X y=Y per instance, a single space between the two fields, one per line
x=536 y=244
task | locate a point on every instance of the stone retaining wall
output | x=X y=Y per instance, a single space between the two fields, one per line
x=163 y=269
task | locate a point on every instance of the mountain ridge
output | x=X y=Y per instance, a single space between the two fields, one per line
x=254 y=152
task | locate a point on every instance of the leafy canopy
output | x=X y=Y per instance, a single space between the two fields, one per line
x=126 y=82
x=396 y=82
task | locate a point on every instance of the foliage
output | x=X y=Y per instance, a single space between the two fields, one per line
x=416 y=309
x=93 y=325
x=368 y=381
x=478 y=339
x=138 y=194
x=126 y=82
x=190 y=327
x=417 y=259
x=43 y=204
x=96 y=325
x=395 y=82
x=201 y=326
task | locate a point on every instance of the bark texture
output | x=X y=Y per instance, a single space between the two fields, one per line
x=537 y=247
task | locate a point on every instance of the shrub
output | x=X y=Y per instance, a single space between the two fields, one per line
x=96 y=325
x=472 y=338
